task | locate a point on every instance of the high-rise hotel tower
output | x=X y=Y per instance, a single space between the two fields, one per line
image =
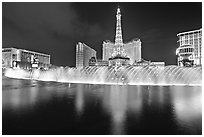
x=83 y=54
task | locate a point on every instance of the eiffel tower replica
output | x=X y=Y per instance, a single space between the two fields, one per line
x=118 y=57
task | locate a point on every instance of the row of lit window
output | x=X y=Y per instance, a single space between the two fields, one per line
x=191 y=39
x=186 y=50
x=186 y=36
x=38 y=55
x=189 y=42
x=26 y=56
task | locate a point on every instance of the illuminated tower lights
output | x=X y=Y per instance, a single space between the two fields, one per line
x=118 y=49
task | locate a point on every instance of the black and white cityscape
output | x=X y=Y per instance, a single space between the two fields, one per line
x=101 y=68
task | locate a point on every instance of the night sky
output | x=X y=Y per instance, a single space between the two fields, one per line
x=55 y=28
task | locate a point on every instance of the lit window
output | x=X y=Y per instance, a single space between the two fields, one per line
x=195 y=35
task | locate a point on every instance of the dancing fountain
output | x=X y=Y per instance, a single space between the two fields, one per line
x=131 y=75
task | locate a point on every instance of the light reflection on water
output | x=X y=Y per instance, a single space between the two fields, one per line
x=120 y=109
x=187 y=107
x=79 y=100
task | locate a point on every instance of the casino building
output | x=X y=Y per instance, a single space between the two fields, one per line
x=189 y=52
x=21 y=58
x=132 y=49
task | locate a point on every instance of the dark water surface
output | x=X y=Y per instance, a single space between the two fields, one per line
x=33 y=107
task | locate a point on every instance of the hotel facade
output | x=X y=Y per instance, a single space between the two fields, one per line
x=132 y=49
x=120 y=52
x=83 y=54
x=21 y=58
x=189 y=52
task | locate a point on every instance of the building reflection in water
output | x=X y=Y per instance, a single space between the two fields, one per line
x=117 y=100
x=115 y=103
x=122 y=101
x=24 y=95
x=187 y=106
x=79 y=101
x=134 y=100
x=34 y=92
x=156 y=96
x=161 y=94
x=118 y=107
x=123 y=104
x=19 y=96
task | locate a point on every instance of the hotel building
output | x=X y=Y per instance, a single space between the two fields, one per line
x=21 y=58
x=83 y=54
x=120 y=53
x=189 y=52
x=132 y=49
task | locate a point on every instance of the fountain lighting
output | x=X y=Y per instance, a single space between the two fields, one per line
x=125 y=75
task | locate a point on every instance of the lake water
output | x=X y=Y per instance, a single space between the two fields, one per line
x=35 y=107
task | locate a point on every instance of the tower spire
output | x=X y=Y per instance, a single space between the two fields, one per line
x=118 y=36
x=118 y=56
x=119 y=47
